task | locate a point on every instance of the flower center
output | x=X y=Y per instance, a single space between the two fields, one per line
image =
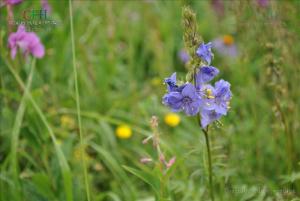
x=186 y=100
x=228 y=40
x=208 y=93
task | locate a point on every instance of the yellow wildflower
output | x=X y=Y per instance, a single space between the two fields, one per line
x=172 y=119
x=67 y=121
x=123 y=132
x=156 y=81
x=77 y=155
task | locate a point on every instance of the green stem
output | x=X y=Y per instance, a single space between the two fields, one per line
x=16 y=131
x=209 y=163
x=78 y=104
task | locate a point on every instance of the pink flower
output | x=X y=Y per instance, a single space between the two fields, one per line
x=12 y=2
x=263 y=3
x=46 y=5
x=28 y=42
x=171 y=162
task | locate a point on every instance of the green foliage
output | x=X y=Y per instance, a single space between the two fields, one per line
x=124 y=50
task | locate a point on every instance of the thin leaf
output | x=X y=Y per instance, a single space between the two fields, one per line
x=147 y=177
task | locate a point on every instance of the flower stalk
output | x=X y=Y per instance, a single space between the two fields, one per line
x=192 y=40
x=161 y=163
x=210 y=173
x=197 y=97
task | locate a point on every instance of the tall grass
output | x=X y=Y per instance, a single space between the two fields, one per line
x=82 y=147
x=16 y=132
x=65 y=169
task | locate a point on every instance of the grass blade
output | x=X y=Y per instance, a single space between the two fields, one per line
x=65 y=169
x=78 y=104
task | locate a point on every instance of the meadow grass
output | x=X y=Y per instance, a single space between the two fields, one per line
x=104 y=66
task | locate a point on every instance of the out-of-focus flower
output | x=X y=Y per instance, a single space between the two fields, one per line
x=204 y=52
x=27 y=42
x=98 y=167
x=12 y=2
x=263 y=3
x=67 y=122
x=187 y=100
x=172 y=119
x=156 y=81
x=183 y=56
x=225 y=46
x=77 y=155
x=46 y=6
x=168 y=164
x=218 y=6
x=123 y=132
x=171 y=162
x=146 y=160
x=162 y=158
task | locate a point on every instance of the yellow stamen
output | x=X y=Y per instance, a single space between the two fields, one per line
x=209 y=94
x=208 y=91
x=228 y=105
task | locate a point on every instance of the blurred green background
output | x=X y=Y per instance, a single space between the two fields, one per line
x=124 y=50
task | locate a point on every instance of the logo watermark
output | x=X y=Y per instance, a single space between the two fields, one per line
x=35 y=20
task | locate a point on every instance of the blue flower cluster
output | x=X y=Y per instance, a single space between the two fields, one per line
x=212 y=102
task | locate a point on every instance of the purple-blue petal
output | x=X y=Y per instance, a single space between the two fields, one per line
x=208 y=116
x=184 y=56
x=190 y=91
x=206 y=74
x=171 y=82
x=173 y=100
x=204 y=52
x=222 y=90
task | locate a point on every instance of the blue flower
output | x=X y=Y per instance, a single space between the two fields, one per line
x=214 y=101
x=205 y=74
x=209 y=116
x=171 y=84
x=204 y=52
x=222 y=96
x=187 y=100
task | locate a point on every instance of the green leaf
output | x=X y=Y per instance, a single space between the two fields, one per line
x=147 y=177
x=291 y=178
x=43 y=185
